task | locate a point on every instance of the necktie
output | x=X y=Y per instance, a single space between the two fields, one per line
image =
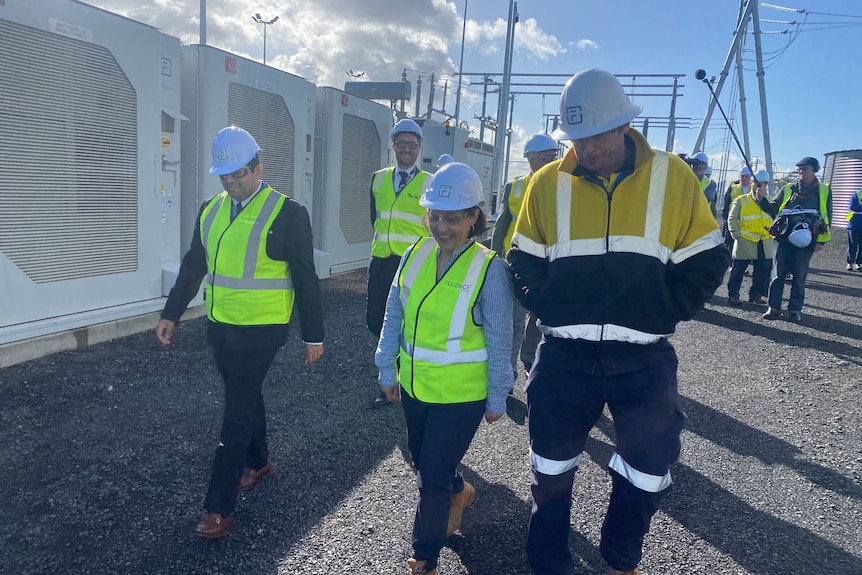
x=404 y=176
x=235 y=209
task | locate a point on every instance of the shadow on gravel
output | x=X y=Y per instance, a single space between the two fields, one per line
x=772 y=331
x=842 y=290
x=751 y=442
x=756 y=540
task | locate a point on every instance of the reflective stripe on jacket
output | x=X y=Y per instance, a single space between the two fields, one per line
x=443 y=357
x=243 y=285
x=400 y=220
x=514 y=201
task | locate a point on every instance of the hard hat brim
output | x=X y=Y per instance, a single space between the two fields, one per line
x=572 y=133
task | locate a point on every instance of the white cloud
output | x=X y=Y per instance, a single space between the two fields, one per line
x=537 y=42
x=586 y=44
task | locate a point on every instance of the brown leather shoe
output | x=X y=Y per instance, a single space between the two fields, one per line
x=418 y=567
x=214 y=525
x=636 y=571
x=252 y=477
x=460 y=502
x=734 y=301
x=759 y=301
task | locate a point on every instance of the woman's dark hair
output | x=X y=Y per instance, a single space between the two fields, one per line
x=481 y=222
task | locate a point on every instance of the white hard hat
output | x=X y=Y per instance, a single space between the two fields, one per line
x=593 y=102
x=745 y=171
x=708 y=171
x=232 y=149
x=540 y=143
x=762 y=176
x=455 y=186
x=406 y=126
x=444 y=159
x=699 y=157
x=800 y=236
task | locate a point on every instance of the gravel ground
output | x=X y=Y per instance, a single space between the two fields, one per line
x=106 y=454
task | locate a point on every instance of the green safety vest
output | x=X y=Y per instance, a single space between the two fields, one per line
x=704 y=182
x=753 y=222
x=443 y=357
x=824 y=213
x=514 y=201
x=243 y=285
x=399 y=221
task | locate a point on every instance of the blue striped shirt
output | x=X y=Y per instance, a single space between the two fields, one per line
x=493 y=311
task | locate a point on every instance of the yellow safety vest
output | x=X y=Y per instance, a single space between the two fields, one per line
x=443 y=357
x=400 y=221
x=753 y=222
x=243 y=285
x=735 y=191
x=514 y=202
x=824 y=212
x=704 y=182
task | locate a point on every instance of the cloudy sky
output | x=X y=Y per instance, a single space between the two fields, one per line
x=812 y=100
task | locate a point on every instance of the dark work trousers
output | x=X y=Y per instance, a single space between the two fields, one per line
x=565 y=397
x=532 y=337
x=243 y=429
x=381 y=271
x=760 y=279
x=790 y=260
x=438 y=436
x=854 y=246
x=525 y=337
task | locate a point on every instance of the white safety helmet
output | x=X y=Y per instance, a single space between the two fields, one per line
x=745 y=171
x=762 y=176
x=444 y=159
x=800 y=236
x=699 y=157
x=708 y=171
x=540 y=143
x=455 y=186
x=593 y=102
x=406 y=126
x=232 y=149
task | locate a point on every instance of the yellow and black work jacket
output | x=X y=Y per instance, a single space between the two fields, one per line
x=443 y=358
x=399 y=221
x=243 y=285
x=619 y=260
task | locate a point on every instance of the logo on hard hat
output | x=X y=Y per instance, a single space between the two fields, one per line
x=574 y=115
x=223 y=155
x=444 y=191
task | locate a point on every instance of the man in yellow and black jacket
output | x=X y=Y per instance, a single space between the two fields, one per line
x=614 y=245
x=254 y=246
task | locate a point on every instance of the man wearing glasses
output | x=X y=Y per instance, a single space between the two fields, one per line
x=540 y=149
x=254 y=246
x=397 y=220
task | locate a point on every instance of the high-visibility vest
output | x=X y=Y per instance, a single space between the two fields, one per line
x=736 y=191
x=753 y=222
x=243 y=285
x=514 y=202
x=823 y=209
x=400 y=221
x=443 y=357
x=704 y=182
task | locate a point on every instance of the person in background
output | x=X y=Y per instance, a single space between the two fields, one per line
x=734 y=190
x=711 y=191
x=854 y=233
x=449 y=320
x=752 y=245
x=396 y=217
x=793 y=255
x=263 y=244
x=540 y=150
x=699 y=164
x=613 y=247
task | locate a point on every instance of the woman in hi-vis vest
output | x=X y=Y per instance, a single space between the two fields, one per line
x=444 y=352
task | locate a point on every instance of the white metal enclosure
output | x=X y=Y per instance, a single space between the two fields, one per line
x=351 y=143
x=277 y=108
x=89 y=125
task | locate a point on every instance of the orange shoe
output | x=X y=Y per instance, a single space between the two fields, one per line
x=214 y=526
x=418 y=568
x=460 y=502
x=252 y=477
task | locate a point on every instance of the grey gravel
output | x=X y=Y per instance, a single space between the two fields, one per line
x=106 y=451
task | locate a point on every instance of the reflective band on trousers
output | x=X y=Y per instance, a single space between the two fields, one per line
x=641 y=480
x=547 y=466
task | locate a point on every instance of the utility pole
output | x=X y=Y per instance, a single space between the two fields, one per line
x=497 y=168
x=761 y=83
x=461 y=69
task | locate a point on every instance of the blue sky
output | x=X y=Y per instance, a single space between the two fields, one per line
x=813 y=86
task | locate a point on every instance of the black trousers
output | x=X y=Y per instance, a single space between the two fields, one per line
x=760 y=279
x=243 y=430
x=438 y=436
x=381 y=272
